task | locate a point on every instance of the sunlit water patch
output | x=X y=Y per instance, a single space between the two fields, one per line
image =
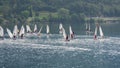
x=52 y=51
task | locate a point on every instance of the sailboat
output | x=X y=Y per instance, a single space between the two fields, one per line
x=64 y=33
x=71 y=32
x=40 y=31
x=47 y=29
x=1 y=32
x=35 y=28
x=95 y=34
x=60 y=28
x=9 y=33
x=100 y=31
x=28 y=30
x=15 y=31
x=22 y=32
x=86 y=27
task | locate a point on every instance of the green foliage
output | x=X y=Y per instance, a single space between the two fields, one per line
x=57 y=10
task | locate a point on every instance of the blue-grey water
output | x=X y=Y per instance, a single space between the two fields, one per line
x=53 y=52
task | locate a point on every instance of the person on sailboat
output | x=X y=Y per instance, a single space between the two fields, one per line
x=14 y=37
x=95 y=37
x=21 y=36
x=67 y=38
x=72 y=35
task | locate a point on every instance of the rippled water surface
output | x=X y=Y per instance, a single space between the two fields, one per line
x=53 y=52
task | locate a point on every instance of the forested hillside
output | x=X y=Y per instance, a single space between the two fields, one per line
x=56 y=10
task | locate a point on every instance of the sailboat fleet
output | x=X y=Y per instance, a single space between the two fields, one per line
x=21 y=33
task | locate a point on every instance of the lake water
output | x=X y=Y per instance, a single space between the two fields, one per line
x=53 y=52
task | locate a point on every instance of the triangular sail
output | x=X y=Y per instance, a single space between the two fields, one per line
x=64 y=33
x=89 y=27
x=60 y=28
x=35 y=28
x=96 y=31
x=22 y=31
x=28 y=28
x=70 y=29
x=47 y=29
x=15 y=30
x=86 y=26
x=101 y=32
x=40 y=30
x=9 y=33
x=1 y=32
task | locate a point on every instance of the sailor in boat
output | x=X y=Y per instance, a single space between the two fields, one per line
x=21 y=36
x=18 y=31
x=14 y=37
x=95 y=37
x=67 y=38
x=72 y=35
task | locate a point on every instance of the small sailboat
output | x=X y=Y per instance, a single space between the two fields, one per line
x=100 y=31
x=35 y=28
x=47 y=29
x=71 y=32
x=40 y=31
x=65 y=35
x=15 y=31
x=60 y=28
x=89 y=29
x=22 y=32
x=95 y=34
x=86 y=27
x=1 y=32
x=28 y=30
x=9 y=33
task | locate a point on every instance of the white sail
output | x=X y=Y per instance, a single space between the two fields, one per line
x=64 y=33
x=1 y=32
x=96 y=31
x=70 y=29
x=71 y=32
x=89 y=27
x=9 y=33
x=28 y=28
x=47 y=29
x=86 y=26
x=40 y=30
x=15 y=30
x=22 y=31
x=60 y=28
x=101 y=32
x=35 y=28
